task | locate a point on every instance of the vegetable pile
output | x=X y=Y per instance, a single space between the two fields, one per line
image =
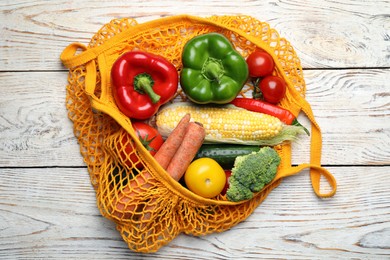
x=216 y=144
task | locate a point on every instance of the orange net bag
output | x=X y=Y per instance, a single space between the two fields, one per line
x=148 y=206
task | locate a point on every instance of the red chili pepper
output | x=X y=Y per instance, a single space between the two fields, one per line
x=142 y=82
x=284 y=115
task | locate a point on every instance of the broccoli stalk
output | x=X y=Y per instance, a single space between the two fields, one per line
x=251 y=173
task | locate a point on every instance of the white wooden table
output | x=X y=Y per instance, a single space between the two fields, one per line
x=47 y=204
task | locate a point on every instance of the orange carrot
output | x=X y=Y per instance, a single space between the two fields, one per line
x=168 y=149
x=125 y=205
x=192 y=141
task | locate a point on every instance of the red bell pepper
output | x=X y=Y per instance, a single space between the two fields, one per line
x=142 y=82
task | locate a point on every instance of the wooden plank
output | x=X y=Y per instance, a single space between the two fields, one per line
x=350 y=106
x=51 y=213
x=324 y=33
x=34 y=126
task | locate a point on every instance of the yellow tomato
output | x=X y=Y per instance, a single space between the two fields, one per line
x=205 y=177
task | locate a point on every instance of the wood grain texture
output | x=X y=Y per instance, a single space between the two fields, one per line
x=34 y=122
x=352 y=108
x=48 y=206
x=353 y=33
x=51 y=213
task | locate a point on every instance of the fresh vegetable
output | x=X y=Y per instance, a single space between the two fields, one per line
x=273 y=89
x=260 y=64
x=251 y=173
x=213 y=71
x=225 y=154
x=142 y=82
x=172 y=143
x=192 y=141
x=126 y=150
x=229 y=124
x=205 y=177
x=228 y=173
x=149 y=137
x=267 y=108
x=128 y=200
x=266 y=86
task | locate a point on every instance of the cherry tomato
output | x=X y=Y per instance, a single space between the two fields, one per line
x=260 y=64
x=273 y=89
x=228 y=173
x=149 y=137
x=205 y=177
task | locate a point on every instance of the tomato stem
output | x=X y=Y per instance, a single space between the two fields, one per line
x=146 y=141
x=257 y=94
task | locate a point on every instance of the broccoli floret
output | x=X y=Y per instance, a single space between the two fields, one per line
x=251 y=173
x=237 y=191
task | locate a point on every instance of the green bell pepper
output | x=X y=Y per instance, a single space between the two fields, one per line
x=213 y=71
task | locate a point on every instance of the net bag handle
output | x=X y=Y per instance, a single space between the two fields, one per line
x=316 y=170
x=70 y=58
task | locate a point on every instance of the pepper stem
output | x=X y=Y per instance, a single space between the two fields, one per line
x=213 y=69
x=143 y=83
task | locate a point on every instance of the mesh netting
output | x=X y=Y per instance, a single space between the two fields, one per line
x=148 y=207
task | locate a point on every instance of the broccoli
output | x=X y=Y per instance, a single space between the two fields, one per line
x=251 y=173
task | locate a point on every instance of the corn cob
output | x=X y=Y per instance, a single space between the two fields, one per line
x=228 y=124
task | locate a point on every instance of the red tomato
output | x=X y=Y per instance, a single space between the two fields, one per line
x=260 y=64
x=273 y=89
x=126 y=148
x=149 y=137
x=228 y=173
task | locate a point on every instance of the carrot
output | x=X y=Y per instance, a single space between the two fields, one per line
x=124 y=206
x=168 y=149
x=192 y=141
x=189 y=146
